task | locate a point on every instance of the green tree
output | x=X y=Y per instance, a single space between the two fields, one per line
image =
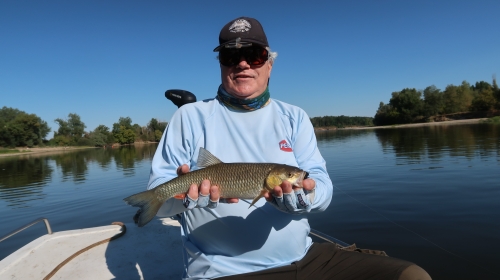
x=407 y=103
x=155 y=129
x=76 y=126
x=63 y=129
x=18 y=128
x=158 y=135
x=123 y=132
x=124 y=136
x=433 y=101
x=484 y=99
x=101 y=136
x=73 y=128
x=386 y=115
x=458 y=98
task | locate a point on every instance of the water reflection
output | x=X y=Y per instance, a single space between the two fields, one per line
x=434 y=142
x=341 y=134
x=416 y=144
x=23 y=178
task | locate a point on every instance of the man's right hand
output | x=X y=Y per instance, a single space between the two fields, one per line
x=203 y=195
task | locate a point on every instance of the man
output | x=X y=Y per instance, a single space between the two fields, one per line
x=223 y=236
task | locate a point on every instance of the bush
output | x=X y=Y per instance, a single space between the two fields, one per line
x=85 y=142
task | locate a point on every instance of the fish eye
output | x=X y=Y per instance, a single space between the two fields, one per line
x=290 y=175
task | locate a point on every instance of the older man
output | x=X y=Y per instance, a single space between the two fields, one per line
x=223 y=236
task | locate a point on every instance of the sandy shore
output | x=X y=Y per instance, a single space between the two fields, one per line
x=23 y=151
x=453 y=122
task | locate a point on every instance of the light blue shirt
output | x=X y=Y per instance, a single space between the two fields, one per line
x=232 y=238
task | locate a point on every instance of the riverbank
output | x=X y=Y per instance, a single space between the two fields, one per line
x=25 y=151
x=22 y=151
x=450 y=122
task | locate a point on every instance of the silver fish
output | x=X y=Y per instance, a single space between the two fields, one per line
x=235 y=180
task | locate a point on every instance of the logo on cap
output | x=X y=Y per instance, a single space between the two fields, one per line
x=240 y=25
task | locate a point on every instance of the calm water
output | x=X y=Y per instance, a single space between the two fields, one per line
x=430 y=195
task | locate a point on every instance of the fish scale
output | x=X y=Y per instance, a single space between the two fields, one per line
x=235 y=180
x=241 y=180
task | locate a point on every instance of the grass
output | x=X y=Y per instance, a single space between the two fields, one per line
x=8 y=151
x=495 y=120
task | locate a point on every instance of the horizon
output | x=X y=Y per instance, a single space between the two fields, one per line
x=112 y=59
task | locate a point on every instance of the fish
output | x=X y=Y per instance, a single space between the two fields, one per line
x=235 y=180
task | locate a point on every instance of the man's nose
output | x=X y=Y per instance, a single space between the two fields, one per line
x=243 y=63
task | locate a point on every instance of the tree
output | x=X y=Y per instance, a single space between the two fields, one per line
x=484 y=99
x=72 y=129
x=458 y=98
x=407 y=103
x=18 y=128
x=155 y=129
x=76 y=126
x=101 y=136
x=386 y=115
x=123 y=132
x=433 y=101
x=124 y=136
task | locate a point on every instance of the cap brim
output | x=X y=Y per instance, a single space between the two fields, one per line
x=233 y=41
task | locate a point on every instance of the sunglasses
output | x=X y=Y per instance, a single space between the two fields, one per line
x=253 y=55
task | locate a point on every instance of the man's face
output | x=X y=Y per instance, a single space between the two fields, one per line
x=245 y=81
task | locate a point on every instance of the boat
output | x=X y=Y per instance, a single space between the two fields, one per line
x=117 y=251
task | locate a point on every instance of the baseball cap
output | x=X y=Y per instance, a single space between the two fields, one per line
x=242 y=32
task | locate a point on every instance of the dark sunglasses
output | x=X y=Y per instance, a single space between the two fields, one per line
x=254 y=56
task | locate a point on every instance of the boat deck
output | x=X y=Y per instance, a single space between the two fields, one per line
x=152 y=253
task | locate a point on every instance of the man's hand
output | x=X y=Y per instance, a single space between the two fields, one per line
x=203 y=195
x=291 y=199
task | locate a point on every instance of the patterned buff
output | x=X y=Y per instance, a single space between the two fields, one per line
x=243 y=104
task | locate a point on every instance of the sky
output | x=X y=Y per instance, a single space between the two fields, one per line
x=109 y=59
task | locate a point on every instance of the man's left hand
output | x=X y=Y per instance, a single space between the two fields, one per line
x=291 y=199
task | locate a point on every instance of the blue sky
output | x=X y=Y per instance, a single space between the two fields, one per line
x=109 y=59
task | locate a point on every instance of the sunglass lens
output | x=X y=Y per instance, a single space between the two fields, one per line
x=253 y=56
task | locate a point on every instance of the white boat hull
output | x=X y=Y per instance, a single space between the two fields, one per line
x=152 y=252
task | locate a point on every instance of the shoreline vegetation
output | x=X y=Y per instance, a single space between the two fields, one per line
x=25 y=151
x=408 y=106
x=447 y=122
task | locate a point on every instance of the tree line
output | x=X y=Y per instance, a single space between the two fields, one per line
x=20 y=129
x=341 y=121
x=410 y=105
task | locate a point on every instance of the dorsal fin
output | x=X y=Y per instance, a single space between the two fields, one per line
x=206 y=159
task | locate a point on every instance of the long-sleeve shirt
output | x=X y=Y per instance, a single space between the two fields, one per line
x=233 y=238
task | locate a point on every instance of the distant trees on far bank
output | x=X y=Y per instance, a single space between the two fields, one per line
x=19 y=129
x=341 y=121
x=410 y=105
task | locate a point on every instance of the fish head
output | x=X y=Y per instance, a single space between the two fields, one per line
x=292 y=174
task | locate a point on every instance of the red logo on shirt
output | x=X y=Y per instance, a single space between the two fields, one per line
x=284 y=146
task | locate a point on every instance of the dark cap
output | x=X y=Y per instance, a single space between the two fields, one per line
x=242 y=32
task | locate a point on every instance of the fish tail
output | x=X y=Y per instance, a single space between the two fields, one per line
x=149 y=204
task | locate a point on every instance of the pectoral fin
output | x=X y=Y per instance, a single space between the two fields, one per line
x=262 y=193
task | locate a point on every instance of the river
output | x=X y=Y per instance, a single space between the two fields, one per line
x=430 y=195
